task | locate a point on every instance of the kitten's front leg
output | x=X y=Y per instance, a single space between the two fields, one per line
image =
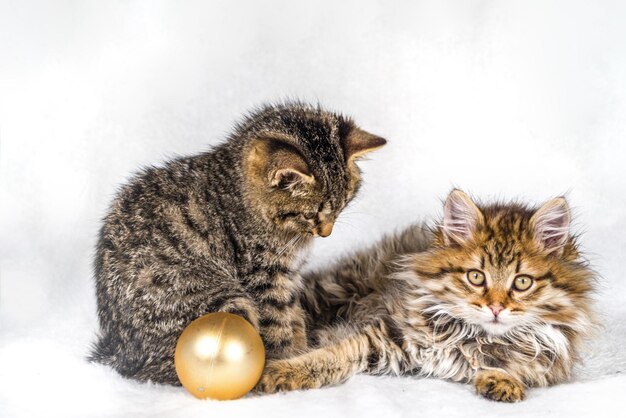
x=323 y=366
x=499 y=386
x=368 y=349
x=300 y=338
x=244 y=307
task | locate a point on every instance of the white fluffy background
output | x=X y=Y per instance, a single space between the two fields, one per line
x=504 y=99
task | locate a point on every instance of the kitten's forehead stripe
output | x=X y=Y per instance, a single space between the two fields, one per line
x=489 y=255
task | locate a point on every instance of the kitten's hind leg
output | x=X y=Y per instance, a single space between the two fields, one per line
x=499 y=386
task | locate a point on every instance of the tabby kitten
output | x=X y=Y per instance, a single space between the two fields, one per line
x=222 y=231
x=497 y=295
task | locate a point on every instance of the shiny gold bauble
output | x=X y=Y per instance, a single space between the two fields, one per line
x=219 y=356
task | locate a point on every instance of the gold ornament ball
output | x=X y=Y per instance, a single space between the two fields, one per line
x=219 y=356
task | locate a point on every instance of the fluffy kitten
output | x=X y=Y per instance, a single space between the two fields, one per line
x=498 y=296
x=220 y=231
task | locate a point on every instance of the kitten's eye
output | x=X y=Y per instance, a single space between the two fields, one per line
x=309 y=215
x=476 y=277
x=522 y=282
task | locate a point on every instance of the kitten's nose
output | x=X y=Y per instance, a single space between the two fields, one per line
x=325 y=229
x=496 y=309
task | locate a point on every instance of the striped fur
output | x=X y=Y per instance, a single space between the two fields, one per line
x=223 y=231
x=406 y=307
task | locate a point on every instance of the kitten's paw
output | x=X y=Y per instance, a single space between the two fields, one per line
x=283 y=376
x=499 y=386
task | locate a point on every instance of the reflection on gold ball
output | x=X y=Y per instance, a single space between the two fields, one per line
x=219 y=356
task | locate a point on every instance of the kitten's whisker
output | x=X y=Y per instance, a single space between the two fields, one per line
x=291 y=243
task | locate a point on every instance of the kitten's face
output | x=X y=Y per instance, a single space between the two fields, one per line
x=505 y=267
x=300 y=167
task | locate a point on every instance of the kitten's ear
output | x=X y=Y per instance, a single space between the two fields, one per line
x=551 y=225
x=289 y=178
x=357 y=142
x=279 y=164
x=461 y=216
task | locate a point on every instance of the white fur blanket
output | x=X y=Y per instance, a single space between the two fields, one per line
x=43 y=374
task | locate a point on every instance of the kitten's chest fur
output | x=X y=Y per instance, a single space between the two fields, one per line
x=455 y=350
x=270 y=264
